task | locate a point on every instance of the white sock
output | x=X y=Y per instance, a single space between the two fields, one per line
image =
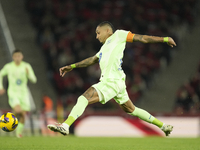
x=162 y=126
x=65 y=125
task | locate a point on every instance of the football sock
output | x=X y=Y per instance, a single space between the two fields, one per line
x=158 y=123
x=77 y=110
x=144 y=115
x=20 y=128
x=162 y=126
x=69 y=120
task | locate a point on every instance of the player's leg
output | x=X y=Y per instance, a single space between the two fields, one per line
x=18 y=111
x=129 y=108
x=21 y=115
x=101 y=92
x=89 y=97
x=14 y=103
x=21 y=109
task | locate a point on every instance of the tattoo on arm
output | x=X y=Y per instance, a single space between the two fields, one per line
x=87 y=62
x=147 y=38
x=150 y=40
x=138 y=37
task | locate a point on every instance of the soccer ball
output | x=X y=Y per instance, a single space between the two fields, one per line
x=8 y=122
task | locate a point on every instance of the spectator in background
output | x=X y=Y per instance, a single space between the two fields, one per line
x=188 y=97
x=48 y=103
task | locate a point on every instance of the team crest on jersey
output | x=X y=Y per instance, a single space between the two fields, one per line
x=19 y=82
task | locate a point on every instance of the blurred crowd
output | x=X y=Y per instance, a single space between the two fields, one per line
x=66 y=34
x=188 y=96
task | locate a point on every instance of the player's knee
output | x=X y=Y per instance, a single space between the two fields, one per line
x=129 y=110
x=128 y=107
x=17 y=108
x=18 y=112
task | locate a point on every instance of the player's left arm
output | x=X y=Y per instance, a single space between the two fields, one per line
x=150 y=39
x=30 y=74
x=84 y=63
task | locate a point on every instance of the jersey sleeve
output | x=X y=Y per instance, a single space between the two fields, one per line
x=97 y=54
x=125 y=36
x=3 y=72
x=31 y=74
x=122 y=35
x=129 y=37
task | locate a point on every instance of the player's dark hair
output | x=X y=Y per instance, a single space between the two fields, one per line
x=16 y=51
x=108 y=24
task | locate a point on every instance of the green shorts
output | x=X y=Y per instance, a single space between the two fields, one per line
x=109 y=89
x=22 y=100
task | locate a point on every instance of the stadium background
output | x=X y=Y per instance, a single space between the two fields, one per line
x=54 y=33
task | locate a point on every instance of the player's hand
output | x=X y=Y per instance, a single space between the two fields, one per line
x=171 y=42
x=2 y=91
x=64 y=70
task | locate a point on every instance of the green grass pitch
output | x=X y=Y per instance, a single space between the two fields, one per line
x=98 y=143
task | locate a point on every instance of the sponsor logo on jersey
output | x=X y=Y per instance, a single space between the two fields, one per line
x=108 y=42
x=100 y=55
x=120 y=65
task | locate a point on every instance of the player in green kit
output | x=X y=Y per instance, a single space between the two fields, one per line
x=112 y=81
x=18 y=73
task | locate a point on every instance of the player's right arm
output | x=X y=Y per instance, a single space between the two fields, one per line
x=3 y=72
x=84 y=63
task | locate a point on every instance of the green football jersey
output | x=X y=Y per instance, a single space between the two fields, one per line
x=111 y=54
x=17 y=77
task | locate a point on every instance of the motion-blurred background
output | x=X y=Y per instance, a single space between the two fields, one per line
x=162 y=80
